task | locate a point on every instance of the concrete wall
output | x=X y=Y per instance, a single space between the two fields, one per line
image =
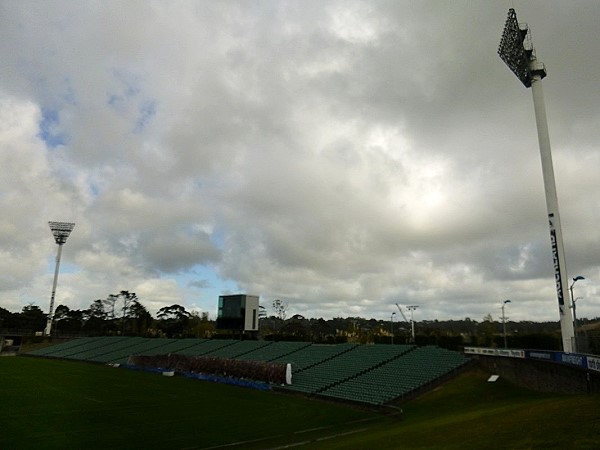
x=541 y=375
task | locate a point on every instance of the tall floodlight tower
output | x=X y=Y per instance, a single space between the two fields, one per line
x=61 y=231
x=412 y=308
x=516 y=50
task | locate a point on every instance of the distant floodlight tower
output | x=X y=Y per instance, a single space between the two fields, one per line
x=516 y=50
x=412 y=308
x=61 y=231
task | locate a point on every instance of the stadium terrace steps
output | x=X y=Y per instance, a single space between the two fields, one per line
x=89 y=347
x=274 y=351
x=121 y=355
x=205 y=347
x=238 y=349
x=53 y=350
x=345 y=366
x=174 y=346
x=373 y=374
x=314 y=354
x=103 y=353
x=398 y=377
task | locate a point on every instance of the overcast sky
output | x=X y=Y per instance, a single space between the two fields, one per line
x=342 y=156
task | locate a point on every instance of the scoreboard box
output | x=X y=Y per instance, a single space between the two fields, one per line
x=238 y=312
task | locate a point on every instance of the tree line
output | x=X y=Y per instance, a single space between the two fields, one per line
x=123 y=314
x=120 y=314
x=452 y=334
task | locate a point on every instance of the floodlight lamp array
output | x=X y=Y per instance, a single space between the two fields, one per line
x=61 y=231
x=516 y=49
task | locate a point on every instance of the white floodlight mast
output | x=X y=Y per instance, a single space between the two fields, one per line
x=522 y=61
x=411 y=308
x=556 y=239
x=61 y=231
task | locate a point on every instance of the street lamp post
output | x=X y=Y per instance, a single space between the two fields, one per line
x=573 y=300
x=575 y=320
x=504 y=322
x=516 y=50
x=392 y=326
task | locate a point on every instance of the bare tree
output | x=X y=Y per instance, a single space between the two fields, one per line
x=128 y=298
x=111 y=303
x=280 y=308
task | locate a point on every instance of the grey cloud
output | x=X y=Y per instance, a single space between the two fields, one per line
x=341 y=155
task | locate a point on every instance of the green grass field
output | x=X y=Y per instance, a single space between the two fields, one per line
x=62 y=404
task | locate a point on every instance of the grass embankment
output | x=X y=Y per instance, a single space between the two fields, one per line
x=61 y=404
x=470 y=413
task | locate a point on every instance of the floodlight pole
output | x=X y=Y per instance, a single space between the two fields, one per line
x=412 y=308
x=61 y=231
x=556 y=239
x=516 y=50
x=504 y=322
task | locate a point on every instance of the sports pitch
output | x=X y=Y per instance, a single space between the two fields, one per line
x=63 y=404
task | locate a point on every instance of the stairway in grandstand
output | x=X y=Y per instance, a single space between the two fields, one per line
x=374 y=374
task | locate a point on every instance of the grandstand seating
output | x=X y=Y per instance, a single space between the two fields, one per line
x=100 y=353
x=274 y=351
x=61 y=349
x=345 y=366
x=373 y=374
x=174 y=346
x=238 y=349
x=88 y=346
x=312 y=355
x=205 y=346
x=121 y=354
x=398 y=376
